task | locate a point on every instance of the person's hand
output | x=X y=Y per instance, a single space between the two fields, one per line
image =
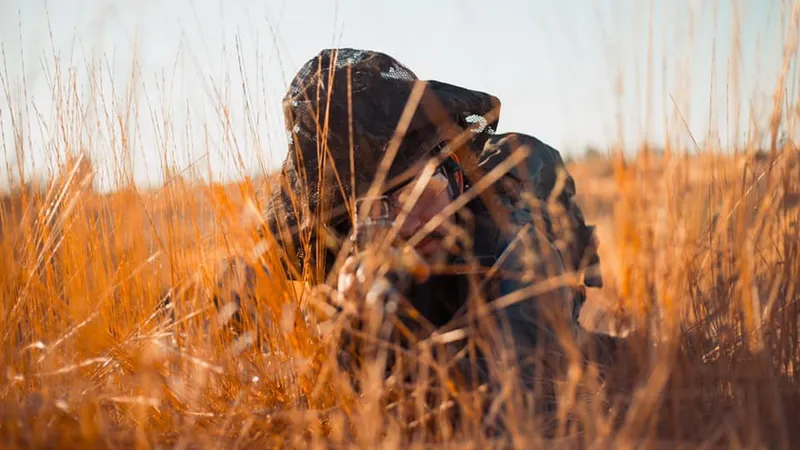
x=348 y=283
x=372 y=279
x=363 y=283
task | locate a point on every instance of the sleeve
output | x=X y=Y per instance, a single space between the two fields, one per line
x=528 y=315
x=530 y=289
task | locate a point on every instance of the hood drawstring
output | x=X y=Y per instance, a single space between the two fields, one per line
x=456 y=175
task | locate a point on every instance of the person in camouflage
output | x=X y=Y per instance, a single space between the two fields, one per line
x=500 y=207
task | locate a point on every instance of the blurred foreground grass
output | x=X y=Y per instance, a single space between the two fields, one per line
x=701 y=255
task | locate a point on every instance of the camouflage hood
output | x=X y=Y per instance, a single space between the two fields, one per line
x=341 y=112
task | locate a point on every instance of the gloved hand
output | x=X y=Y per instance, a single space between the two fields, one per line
x=364 y=285
x=371 y=279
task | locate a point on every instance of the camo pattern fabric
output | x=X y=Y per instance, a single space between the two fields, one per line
x=544 y=174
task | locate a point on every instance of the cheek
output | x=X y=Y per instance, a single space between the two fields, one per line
x=429 y=206
x=442 y=201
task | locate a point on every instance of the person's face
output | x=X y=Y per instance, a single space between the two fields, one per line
x=434 y=198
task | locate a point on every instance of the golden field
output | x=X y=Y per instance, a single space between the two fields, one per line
x=701 y=256
x=88 y=361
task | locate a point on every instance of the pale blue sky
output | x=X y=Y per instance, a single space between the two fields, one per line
x=555 y=65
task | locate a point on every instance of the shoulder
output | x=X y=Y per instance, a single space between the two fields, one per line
x=541 y=173
x=499 y=147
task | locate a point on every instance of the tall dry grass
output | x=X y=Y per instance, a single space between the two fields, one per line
x=701 y=253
